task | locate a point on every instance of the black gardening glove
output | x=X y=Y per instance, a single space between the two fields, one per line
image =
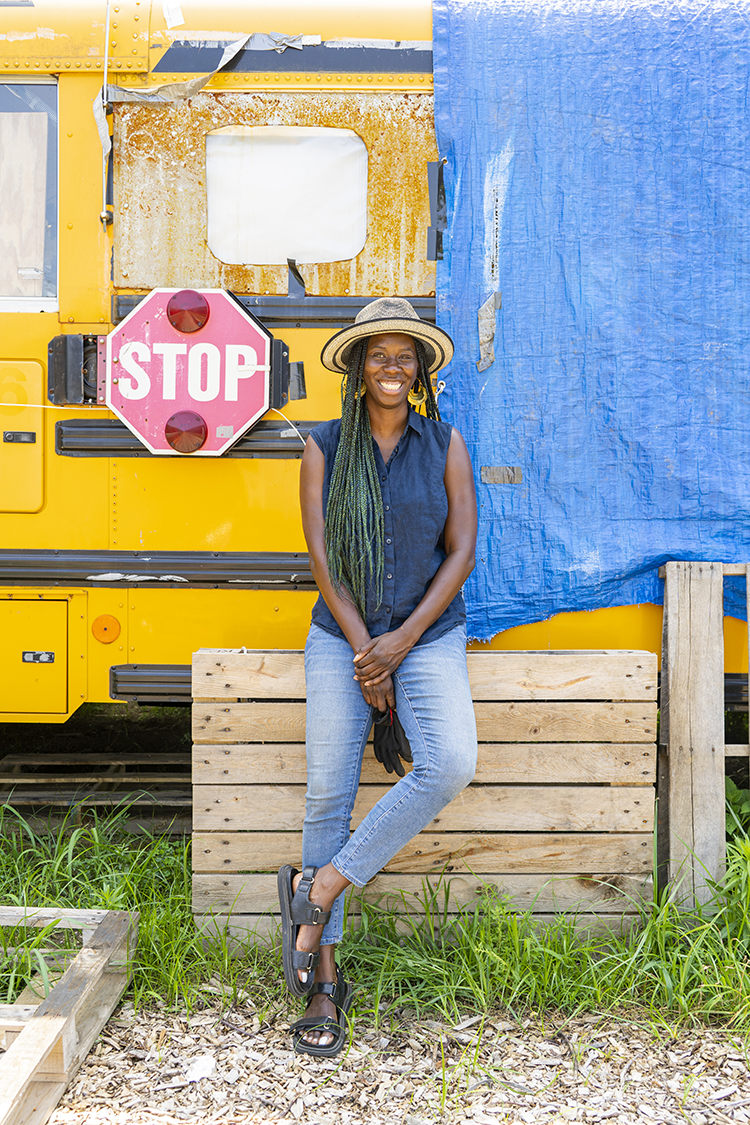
x=389 y=741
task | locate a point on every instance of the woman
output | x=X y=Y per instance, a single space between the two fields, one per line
x=389 y=515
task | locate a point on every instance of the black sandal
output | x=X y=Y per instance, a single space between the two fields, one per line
x=296 y=911
x=342 y=995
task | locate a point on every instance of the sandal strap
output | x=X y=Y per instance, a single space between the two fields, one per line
x=309 y=1023
x=328 y=988
x=336 y=990
x=305 y=961
x=304 y=912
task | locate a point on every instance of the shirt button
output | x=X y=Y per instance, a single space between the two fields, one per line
x=384 y=478
x=387 y=507
x=389 y=576
x=388 y=541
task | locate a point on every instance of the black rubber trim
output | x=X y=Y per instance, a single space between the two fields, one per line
x=189 y=58
x=276 y=311
x=735 y=691
x=151 y=683
x=108 y=437
x=181 y=569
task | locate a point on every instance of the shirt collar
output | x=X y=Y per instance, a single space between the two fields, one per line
x=416 y=421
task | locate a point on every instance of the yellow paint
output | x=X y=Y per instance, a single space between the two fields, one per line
x=50 y=36
x=84 y=292
x=213 y=619
x=69 y=38
x=630 y=626
x=33 y=626
x=21 y=464
x=138 y=503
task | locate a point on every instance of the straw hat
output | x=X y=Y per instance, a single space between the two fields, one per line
x=388 y=314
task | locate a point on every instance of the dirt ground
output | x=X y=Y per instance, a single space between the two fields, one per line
x=159 y=1068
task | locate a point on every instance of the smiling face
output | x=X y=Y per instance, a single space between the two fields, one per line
x=391 y=367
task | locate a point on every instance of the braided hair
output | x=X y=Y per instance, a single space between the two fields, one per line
x=354 y=515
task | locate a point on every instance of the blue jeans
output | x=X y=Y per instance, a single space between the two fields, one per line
x=434 y=705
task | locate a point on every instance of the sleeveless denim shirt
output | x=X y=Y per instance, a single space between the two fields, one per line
x=415 y=508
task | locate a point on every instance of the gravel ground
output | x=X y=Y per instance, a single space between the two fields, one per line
x=163 y=1068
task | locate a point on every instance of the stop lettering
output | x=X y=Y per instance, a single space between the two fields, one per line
x=189 y=361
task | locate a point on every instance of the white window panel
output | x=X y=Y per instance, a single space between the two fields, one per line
x=278 y=192
x=28 y=196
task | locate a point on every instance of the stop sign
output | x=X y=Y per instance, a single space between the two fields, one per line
x=189 y=363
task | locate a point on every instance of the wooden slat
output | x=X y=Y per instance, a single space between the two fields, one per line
x=482 y=808
x=72 y=759
x=551 y=852
x=496 y=722
x=135 y=778
x=46 y=1053
x=550 y=675
x=41 y=916
x=266 y=927
x=695 y=658
x=568 y=763
x=737 y=750
x=19 y=796
x=494 y=675
x=255 y=894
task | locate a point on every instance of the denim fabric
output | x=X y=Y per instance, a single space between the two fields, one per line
x=415 y=508
x=434 y=705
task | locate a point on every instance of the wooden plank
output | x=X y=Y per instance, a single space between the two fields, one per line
x=558 y=675
x=551 y=852
x=52 y=1044
x=496 y=722
x=13 y=1017
x=589 y=763
x=495 y=675
x=695 y=659
x=33 y=797
x=119 y=779
x=66 y=919
x=265 y=927
x=10 y=761
x=737 y=750
x=483 y=808
x=256 y=894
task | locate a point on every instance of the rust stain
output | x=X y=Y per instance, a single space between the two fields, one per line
x=160 y=193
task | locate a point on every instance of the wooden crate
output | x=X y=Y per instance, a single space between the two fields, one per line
x=47 y=1038
x=558 y=818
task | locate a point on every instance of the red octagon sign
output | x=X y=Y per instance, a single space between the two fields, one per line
x=188 y=371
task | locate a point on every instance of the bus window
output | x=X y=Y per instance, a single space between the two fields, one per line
x=28 y=197
x=279 y=192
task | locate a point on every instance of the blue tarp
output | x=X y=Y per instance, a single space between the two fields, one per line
x=597 y=177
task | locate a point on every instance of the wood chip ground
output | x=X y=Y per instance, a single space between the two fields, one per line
x=146 y=1070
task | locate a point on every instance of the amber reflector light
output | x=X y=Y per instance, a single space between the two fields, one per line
x=187 y=311
x=186 y=431
x=105 y=628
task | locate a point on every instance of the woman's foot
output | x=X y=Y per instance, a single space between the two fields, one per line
x=319 y=1006
x=327 y=886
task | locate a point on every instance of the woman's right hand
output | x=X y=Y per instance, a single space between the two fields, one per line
x=380 y=696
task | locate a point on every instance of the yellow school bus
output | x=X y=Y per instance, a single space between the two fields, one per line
x=283 y=153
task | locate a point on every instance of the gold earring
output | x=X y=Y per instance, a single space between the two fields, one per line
x=417 y=397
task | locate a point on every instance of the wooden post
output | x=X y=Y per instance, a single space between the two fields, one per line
x=694 y=650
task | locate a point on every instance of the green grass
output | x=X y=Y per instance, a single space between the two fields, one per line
x=101 y=866
x=671 y=965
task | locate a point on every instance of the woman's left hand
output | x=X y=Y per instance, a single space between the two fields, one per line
x=380 y=657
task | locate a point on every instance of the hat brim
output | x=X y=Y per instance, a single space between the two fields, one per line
x=438 y=344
